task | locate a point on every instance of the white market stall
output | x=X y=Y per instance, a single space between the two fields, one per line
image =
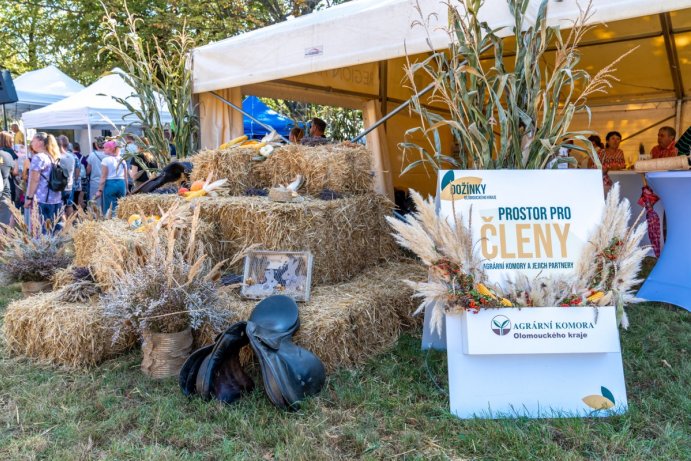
x=91 y=108
x=40 y=88
x=353 y=55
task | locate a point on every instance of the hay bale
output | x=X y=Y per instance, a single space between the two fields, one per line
x=346 y=170
x=349 y=323
x=99 y=241
x=343 y=169
x=75 y=335
x=345 y=235
x=234 y=164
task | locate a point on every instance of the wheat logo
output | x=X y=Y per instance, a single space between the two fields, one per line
x=501 y=325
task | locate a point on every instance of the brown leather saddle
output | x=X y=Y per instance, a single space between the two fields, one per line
x=289 y=372
x=215 y=370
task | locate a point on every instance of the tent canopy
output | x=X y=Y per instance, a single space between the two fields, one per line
x=93 y=106
x=368 y=31
x=40 y=88
x=257 y=109
x=354 y=55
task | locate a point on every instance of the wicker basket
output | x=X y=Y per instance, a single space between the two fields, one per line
x=163 y=354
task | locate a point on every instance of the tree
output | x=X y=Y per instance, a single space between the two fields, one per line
x=35 y=33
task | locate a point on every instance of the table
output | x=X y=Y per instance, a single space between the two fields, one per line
x=630 y=184
x=670 y=280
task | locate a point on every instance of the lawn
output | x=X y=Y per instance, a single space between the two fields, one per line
x=394 y=407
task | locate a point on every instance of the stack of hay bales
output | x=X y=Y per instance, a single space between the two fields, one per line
x=345 y=236
x=358 y=303
x=70 y=334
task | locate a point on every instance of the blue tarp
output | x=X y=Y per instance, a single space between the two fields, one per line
x=253 y=105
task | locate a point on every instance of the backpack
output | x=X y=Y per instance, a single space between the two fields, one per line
x=58 y=178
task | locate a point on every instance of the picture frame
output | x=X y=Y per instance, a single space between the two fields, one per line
x=268 y=273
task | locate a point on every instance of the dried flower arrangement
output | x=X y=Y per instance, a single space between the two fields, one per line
x=165 y=288
x=29 y=255
x=605 y=273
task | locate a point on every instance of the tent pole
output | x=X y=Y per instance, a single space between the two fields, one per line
x=239 y=109
x=4 y=116
x=392 y=113
x=405 y=104
x=88 y=133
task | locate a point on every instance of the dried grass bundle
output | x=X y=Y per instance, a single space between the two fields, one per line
x=47 y=329
x=605 y=273
x=166 y=287
x=345 y=235
x=105 y=246
x=29 y=255
x=348 y=323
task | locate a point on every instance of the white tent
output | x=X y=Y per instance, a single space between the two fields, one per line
x=363 y=31
x=353 y=55
x=93 y=107
x=40 y=88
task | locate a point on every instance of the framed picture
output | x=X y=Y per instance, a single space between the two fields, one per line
x=277 y=273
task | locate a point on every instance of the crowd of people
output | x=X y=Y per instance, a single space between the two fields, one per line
x=52 y=175
x=111 y=170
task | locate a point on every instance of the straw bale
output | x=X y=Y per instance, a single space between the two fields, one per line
x=99 y=241
x=346 y=170
x=63 y=277
x=234 y=164
x=75 y=335
x=347 y=324
x=343 y=169
x=345 y=235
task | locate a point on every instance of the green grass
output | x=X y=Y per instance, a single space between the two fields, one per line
x=388 y=408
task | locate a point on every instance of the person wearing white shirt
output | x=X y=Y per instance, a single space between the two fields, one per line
x=113 y=183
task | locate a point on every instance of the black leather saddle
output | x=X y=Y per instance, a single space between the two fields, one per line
x=215 y=370
x=289 y=372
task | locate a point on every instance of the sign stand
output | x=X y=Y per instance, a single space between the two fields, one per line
x=539 y=361
x=498 y=368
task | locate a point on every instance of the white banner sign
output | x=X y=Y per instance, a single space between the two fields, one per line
x=532 y=221
x=540 y=330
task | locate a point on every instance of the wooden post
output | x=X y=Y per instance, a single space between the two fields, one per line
x=237 y=127
x=377 y=144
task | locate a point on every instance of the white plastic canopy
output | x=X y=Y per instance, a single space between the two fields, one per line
x=40 y=88
x=363 y=31
x=92 y=107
